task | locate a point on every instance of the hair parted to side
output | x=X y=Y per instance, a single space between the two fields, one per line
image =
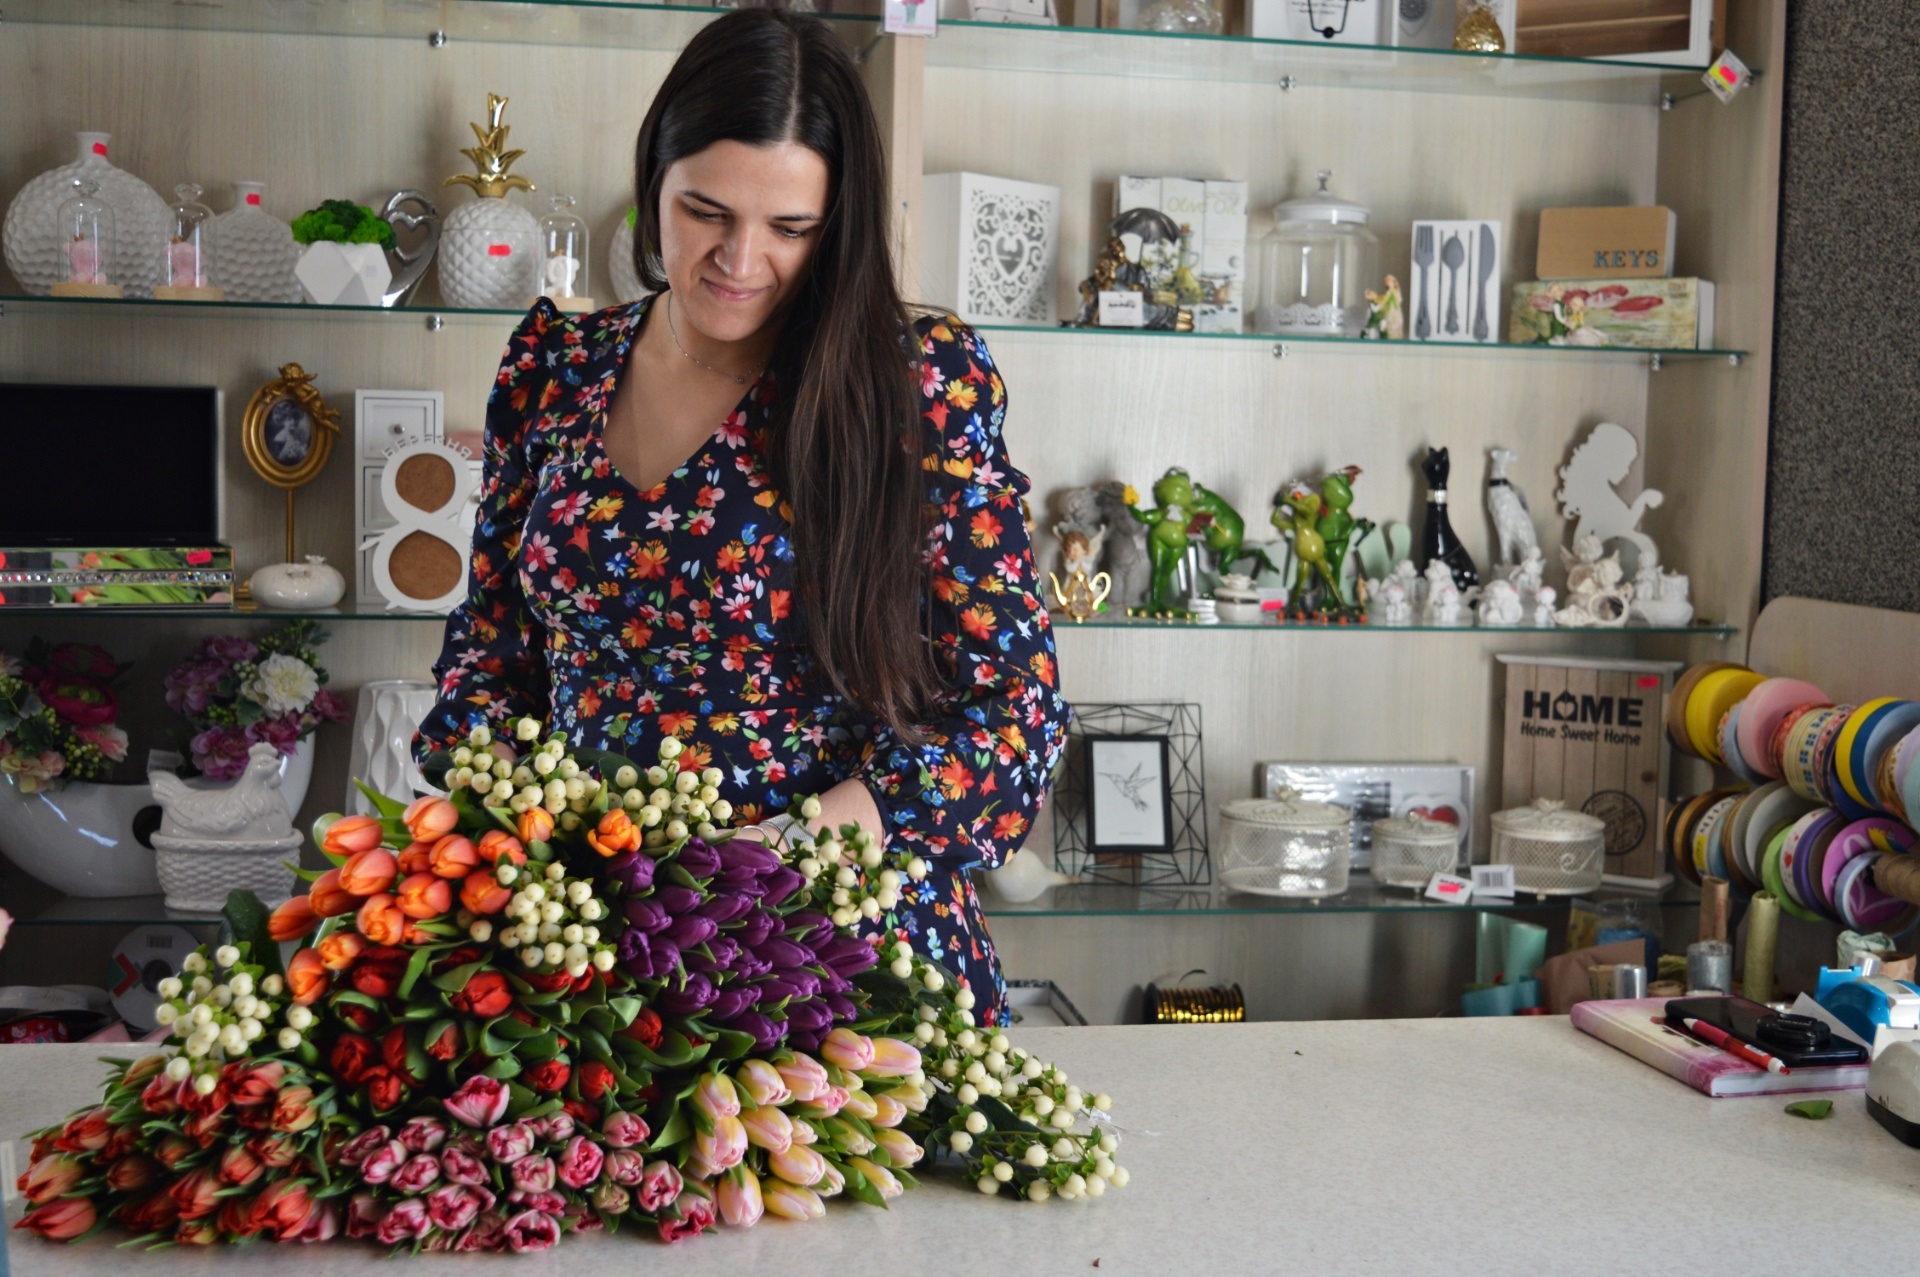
x=846 y=436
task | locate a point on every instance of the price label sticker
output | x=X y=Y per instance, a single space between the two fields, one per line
x=1450 y=889
x=1121 y=308
x=1727 y=76
x=911 y=17
x=1493 y=880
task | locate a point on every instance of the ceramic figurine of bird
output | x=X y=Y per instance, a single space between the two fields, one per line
x=248 y=808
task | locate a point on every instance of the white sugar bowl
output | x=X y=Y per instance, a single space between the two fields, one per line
x=298 y=585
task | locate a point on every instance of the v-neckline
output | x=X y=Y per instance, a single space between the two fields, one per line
x=597 y=431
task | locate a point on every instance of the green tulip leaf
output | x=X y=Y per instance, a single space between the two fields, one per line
x=1814 y=1109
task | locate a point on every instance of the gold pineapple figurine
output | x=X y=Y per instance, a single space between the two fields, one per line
x=489 y=256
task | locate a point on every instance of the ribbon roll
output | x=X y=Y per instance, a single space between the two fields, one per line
x=1850 y=754
x=1761 y=714
x=1716 y=694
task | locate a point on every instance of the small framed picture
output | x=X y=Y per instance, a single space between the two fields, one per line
x=288 y=429
x=911 y=17
x=1130 y=803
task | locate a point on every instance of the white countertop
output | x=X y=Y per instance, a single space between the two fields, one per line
x=1501 y=1146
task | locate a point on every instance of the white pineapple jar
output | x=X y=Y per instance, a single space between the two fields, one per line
x=250 y=253
x=35 y=238
x=489 y=249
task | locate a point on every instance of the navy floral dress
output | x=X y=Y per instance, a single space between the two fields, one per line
x=622 y=616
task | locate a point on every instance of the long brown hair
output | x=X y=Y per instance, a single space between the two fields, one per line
x=846 y=442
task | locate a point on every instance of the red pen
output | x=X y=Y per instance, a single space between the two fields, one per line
x=1714 y=1035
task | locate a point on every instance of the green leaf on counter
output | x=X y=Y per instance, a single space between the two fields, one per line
x=1814 y=1109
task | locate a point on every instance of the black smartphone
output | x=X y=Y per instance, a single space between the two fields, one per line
x=1797 y=1041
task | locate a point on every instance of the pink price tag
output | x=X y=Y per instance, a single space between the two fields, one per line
x=499 y=250
x=100 y=148
x=253 y=199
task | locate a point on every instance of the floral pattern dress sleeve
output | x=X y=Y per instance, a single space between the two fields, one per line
x=969 y=794
x=493 y=664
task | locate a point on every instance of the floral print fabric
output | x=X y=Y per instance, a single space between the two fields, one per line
x=621 y=616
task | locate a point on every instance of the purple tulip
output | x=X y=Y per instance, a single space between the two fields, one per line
x=766 y=1032
x=792 y=985
x=702 y=963
x=691 y=930
x=632 y=871
x=648 y=915
x=757 y=926
x=749 y=966
x=746 y=853
x=809 y=1016
x=783 y=953
x=810 y=928
x=726 y=907
x=732 y=1001
x=806 y=1039
x=832 y=981
x=841 y=1006
x=847 y=955
x=678 y=900
x=782 y=883
x=695 y=996
x=699 y=859
x=725 y=949
x=666 y=959
x=752 y=888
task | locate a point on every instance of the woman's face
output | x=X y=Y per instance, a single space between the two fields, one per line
x=738 y=226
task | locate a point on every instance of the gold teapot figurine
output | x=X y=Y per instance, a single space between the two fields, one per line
x=1080 y=598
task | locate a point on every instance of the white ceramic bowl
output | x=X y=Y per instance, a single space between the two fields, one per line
x=79 y=839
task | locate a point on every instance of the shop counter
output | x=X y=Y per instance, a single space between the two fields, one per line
x=1511 y=1146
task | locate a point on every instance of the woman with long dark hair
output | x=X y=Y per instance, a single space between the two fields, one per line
x=766 y=510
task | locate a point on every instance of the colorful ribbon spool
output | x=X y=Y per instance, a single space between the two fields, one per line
x=1864 y=906
x=1761 y=714
x=1906 y=774
x=1850 y=754
x=1900 y=720
x=1781 y=855
x=1715 y=694
x=1876 y=835
x=1775 y=808
x=1682 y=693
x=1728 y=737
x=1706 y=838
x=1733 y=837
x=1806 y=742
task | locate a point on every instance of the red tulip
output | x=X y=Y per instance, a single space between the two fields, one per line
x=385 y=1088
x=87 y=1133
x=196 y=1193
x=240 y=1165
x=378 y=972
x=293 y=1110
x=132 y=1174
x=285 y=1207
x=50 y=1177
x=447 y=1045
x=548 y=1076
x=393 y=1049
x=150 y=1214
x=253 y=1084
x=294 y=920
x=307 y=977
x=595 y=1079
x=485 y=995
x=351 y=1056
x=60 y=1220
x=329 y=898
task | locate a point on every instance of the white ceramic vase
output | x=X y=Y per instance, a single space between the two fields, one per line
x=33 y=238
x=626 y=281
x=385 y=718
x=298 y=585
x=250 y=252
x=489 y=256
x=78 y=838
x=344 y=274
x=296 y=774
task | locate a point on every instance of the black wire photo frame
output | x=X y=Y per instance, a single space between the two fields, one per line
x=1186 y=862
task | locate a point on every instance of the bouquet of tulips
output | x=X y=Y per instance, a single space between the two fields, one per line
x=561 y=999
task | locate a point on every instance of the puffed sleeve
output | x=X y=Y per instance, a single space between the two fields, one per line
x=493 y=664
x=969 y=794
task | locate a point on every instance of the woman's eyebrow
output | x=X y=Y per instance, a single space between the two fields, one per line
x=716 y=204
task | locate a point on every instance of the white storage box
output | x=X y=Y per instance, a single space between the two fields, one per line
x=988 y=246
x=1285 y=846
x=1554 y=850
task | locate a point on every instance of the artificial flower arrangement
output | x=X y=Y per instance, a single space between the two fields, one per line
x=342 y=222
x=57 y=711
x=558 y=1001
x=235 y=692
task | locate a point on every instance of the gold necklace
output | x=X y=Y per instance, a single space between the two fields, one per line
x=734 y=377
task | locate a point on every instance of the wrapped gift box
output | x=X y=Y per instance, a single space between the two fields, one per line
x=1646 y=314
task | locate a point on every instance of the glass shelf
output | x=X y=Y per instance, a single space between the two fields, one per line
x=1354 y=346
x=1299 y=64
x=588 y=23
x=126 y=911
x=425 y=316
x=1363 y=895
x=347 y=610
x=1111 y=622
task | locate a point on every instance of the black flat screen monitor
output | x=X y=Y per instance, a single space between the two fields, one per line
x=109 y=465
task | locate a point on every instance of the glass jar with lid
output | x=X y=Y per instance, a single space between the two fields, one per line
x=1285 y=845
x=86 y=243
x=186 y=249
x=563 y=243
x=1316 y=266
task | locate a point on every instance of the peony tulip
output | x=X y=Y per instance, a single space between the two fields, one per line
x=849 y=1050
x=623 y=1130
x=369 y=873
x=60 y=1220
x=804 y=1076
x=423 y=1134
x=879 y=1176
x=351 y=835
x=293 y=1110
x=50 y=1177
x=417 y=1174
x=738 y=1198
x=294 y=920
x=480 y=1102
x=454 y=857
x=768 y=1128
x=892 y=1057
x=285 y=1207
x=534 y=1174
x=508 y=1144
x=453 y=1206
x=762 y=1082
x=362 y=1146
x=384 y=1162
x=339 y=950
x=482 y=893
x=196 y=1193
x=580 y=1162
x=899 y=1148
x=424 y=896
x=364 y=1213
x=381 y=921
x=430 y=818
x=611 y=1199
x=530 y=1231
x=322 y=1226
x=407 y=1220
x=790 y=1201
x=132 y=1174
x=328 y=898
x=534 y=825
x=798 y=1164
x=690 y=1216
x=460 y=1165
x=714 y=1096
x=306 y=977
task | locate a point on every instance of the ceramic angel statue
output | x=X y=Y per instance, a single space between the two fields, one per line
x=1386 y=320
x=1443 y=596
x=1542 y=613
x=1512 y=522
x=1500 y=604
x=1660 y=597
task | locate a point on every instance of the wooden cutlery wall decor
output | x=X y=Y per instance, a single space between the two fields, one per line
x=1456 y=282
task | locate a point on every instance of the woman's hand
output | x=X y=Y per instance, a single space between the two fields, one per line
x=848 y=803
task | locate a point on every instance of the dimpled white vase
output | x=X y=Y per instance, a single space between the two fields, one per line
x=489 y=249
x=251 y=253
x=137 y=258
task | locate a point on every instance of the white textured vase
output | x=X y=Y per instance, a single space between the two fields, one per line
x=250 y=252
x=142 y=223
x=626 y=281
x=384 y=720
x=296 y=774
x=489 y=256
x=78 y=838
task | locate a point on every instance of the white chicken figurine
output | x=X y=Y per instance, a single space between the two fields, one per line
x=248 y=810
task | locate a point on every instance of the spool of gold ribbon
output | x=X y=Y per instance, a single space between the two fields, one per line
x=1217 y=1005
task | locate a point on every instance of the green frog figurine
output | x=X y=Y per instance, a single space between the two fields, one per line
x=1341 y=531
x=1188 y=512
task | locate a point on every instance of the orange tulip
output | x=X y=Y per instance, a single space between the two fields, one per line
x=454 y=857
x=536 y=825
x=416 y=858
x=483 y=894
x=307 y=977
x=368 y=873
x=380 y=919
x=497 y=845
x=351 y=834
x=293 y=920
x=616 y=833
x=328 y=898
x=338 y=950
x=424 y=896
x=430 y=818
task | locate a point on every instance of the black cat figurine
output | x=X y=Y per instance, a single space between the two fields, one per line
x=1438 y=539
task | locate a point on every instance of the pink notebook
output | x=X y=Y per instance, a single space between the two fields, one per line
x=1636 y=1026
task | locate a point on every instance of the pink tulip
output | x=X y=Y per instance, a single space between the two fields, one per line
x=879 y=1176
x=790 y=1201
x=898 y=1146
x=691 y=1216
x=659 y=1184
x=715 y=1097
x=625 y=1166
x=384 y=1162
x=364 y=1213
x=362 y=1146
x=912 y=1098
x=725 y=1145
x=420 y=1173
x=453 y=1206
x=830 y=1101
x=848 y=1050
x=892 y=1057
x=548 y=1203
x=798 y=1165
x=762 y=1083
x=534 y=1174
x=406 y=1221
x=460 y=1166
x=861 y=1105
x=479 y=1102
x=833 y=1183
x=580 y=1163
x=531 y=1230
x=322 y=1226
x=804 y=1077
x=803 y=1132
x=768 y=1128
x=739 y=1199
x=697 y=1169
x=508 y=1144
x=423 y=1134
x=623 y=1130
x=887 y=1111
x=555 y=1128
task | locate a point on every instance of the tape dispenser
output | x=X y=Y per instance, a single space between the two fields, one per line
x=1886 y=1013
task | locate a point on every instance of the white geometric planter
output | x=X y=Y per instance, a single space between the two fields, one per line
x=344 y=274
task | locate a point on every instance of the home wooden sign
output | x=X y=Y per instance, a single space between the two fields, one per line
x=1606 y=243
x=1588 y=732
